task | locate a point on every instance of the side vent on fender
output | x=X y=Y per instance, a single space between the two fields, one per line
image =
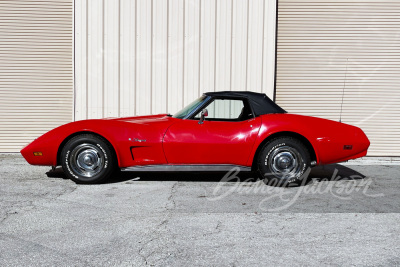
x=132 y=147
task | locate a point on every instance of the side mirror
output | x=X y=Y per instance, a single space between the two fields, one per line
x=203 y=114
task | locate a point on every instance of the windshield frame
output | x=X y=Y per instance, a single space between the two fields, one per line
x=194 y=109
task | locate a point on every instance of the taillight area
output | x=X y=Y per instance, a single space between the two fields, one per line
x=347 y=142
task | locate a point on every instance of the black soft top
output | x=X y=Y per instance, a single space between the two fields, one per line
x=260 y=103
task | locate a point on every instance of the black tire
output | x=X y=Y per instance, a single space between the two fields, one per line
x=88 y=159
x=283 y=161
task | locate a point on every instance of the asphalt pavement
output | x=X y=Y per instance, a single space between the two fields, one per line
x=345 y=215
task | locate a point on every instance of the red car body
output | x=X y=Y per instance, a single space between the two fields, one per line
x=162 y=139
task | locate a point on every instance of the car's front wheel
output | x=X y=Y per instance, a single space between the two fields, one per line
x=283 y=161
x=87 y=158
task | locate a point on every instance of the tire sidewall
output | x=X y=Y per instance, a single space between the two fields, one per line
x=264 y=170
x=103 y=149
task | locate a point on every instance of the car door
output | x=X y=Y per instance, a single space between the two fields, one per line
x=226 y=136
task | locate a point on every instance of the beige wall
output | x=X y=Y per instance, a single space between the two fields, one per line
x=329 y=49
x=137 y=57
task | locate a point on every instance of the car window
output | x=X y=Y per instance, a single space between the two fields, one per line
x=227 y=110
x=189 y=108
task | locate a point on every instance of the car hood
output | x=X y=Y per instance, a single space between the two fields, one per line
x=149 y=119
x=151 y=128
x=115 y=130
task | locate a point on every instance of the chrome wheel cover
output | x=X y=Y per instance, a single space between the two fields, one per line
x=285 y=162
x=86 y=160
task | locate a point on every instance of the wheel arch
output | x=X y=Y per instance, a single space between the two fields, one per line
x=295 y=135
x=60 y=147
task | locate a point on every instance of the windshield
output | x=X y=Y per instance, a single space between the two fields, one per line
x=189 y=108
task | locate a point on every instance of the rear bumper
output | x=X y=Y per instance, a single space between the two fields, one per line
x=360 y=155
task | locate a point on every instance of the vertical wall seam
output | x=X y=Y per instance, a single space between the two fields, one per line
x=183 y=57
x=231 y=52
x=73 y=62
x=166 y=100
x=151 y=58
x=102 y=58
x=276 y=47
x=87 y=60
x=247 y=43
x=215 y=46
x=198 y=84
x=119 y=58
x=262 y=49
x=135 y=87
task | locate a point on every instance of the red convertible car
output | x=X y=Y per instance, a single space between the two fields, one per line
x=216 y=132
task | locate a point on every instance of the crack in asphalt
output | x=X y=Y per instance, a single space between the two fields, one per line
x=7 y=214
x=217 y=230
x=169 y=206
x=63 y=255
x=21 y=206
x=27 y=206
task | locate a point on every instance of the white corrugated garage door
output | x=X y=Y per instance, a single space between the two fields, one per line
x=325 y=48
x=36 y=70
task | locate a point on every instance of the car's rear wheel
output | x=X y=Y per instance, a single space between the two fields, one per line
x=283 y=161
x=87 y=158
